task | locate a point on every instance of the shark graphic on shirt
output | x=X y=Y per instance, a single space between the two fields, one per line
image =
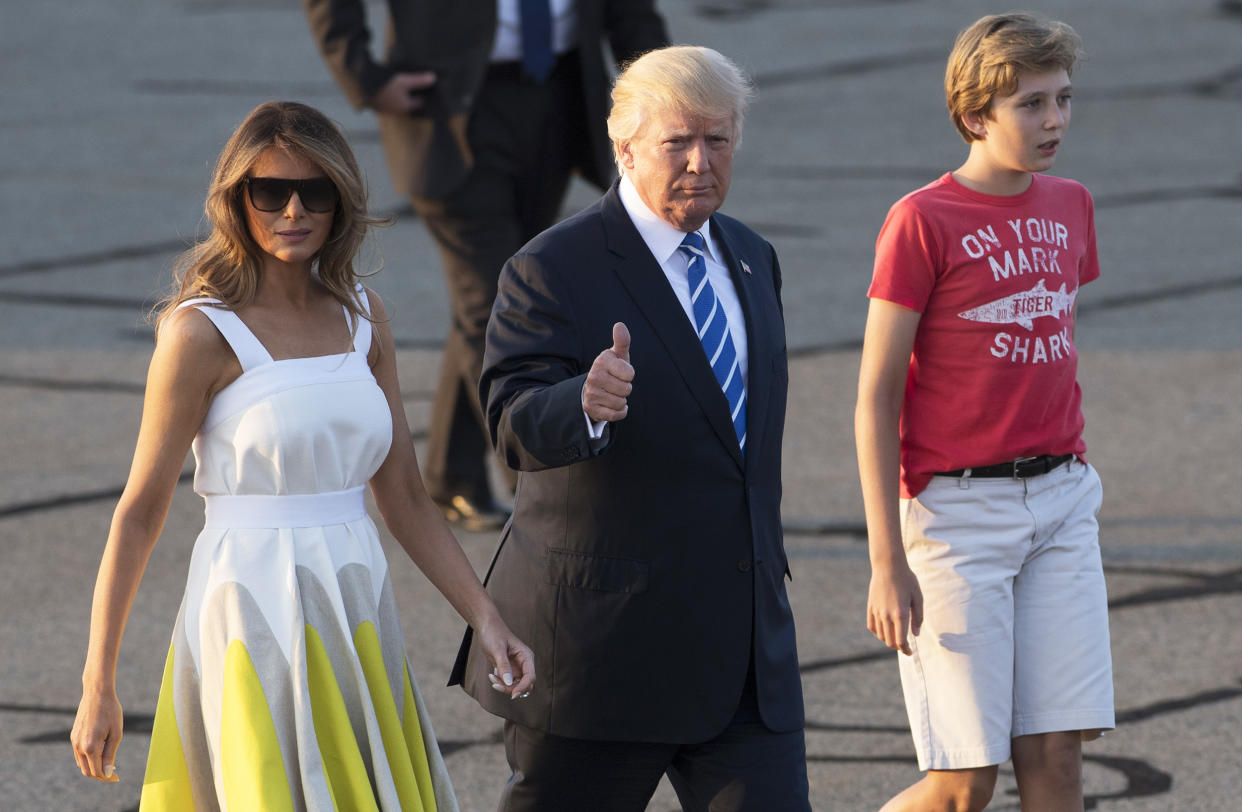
x=1023 y=308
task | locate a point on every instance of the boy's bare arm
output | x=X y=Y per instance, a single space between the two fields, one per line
x=894 y=601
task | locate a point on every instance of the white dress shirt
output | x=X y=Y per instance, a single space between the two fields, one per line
x=663 y=240
x=507 y=47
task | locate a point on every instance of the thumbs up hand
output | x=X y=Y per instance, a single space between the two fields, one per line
x=608 y=383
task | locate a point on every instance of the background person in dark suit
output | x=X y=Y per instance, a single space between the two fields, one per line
x=644 y=563
x=485 y=109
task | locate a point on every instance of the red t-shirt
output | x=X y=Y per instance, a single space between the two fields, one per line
x=993 y=375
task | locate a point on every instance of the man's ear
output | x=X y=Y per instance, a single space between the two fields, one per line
x=977 y=123
x=624 y=156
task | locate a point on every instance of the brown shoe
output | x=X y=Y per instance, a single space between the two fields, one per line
x=472 y=516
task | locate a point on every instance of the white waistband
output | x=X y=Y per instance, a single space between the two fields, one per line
x=291 y=510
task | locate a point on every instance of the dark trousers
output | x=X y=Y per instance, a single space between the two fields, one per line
x=523 y=136
x=746 y=768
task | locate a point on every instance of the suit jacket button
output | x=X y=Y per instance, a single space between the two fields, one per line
x=743 y=566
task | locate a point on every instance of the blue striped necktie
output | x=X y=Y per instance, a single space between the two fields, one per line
x=713 y=329
x=537 y=55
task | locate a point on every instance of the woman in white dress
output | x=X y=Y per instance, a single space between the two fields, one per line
x=286 y=684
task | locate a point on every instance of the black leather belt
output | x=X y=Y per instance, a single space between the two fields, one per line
x=514 y=72
x=1021 y=468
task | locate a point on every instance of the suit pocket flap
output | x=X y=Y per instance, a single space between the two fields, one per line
x=580 y=571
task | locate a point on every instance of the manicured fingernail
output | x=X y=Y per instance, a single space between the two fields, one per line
x=109 y=770
x=508 y=679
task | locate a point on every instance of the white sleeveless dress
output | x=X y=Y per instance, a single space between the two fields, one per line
x=286 y=685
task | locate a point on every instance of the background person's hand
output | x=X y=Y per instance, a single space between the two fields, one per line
x=402 y=94
x=609 y=381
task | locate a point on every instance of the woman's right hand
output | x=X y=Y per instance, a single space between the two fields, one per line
x=894 y=606
x=96 y=734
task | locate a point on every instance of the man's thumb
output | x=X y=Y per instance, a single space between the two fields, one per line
x=621 y=341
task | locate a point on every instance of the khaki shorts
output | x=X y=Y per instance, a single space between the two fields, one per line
x=1015 y=614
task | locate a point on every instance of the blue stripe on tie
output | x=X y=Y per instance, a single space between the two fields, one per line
x=710 y=331
x=732 y=385
x=712 y=326
x=724 y=339
x=707 y=320
x=741 y=404
x=694 y=295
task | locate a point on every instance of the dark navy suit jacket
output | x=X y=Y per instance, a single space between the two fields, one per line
x=648 y=573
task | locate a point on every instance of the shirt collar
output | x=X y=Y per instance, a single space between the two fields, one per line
x=661 y=238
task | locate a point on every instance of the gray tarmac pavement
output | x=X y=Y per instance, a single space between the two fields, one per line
x=111 y=115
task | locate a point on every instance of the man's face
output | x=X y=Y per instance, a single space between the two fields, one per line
x=681 y=165
x=1022 y=131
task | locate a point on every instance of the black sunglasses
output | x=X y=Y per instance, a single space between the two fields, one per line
x=272 y=194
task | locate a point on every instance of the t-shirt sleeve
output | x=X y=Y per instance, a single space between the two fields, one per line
x=1089 y=266
x=905 y=258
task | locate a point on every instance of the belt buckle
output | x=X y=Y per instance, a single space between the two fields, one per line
x=1017 y=467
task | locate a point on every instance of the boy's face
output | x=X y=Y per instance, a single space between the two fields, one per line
x=1023 y=131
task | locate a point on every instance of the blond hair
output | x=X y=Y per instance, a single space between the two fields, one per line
x=227 y=263
x=988 y=56
x=687 y=78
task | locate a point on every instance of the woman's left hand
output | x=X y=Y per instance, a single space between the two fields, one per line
x=513 y=663
x=97 y=733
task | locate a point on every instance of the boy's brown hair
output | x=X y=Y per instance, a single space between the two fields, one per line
x=988 y=56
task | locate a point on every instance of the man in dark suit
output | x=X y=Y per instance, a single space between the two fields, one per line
x=644 y=563
x=485 y=109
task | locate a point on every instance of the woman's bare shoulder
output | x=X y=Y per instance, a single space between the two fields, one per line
x=375 y=304
x=189 y=341
x=187 y=328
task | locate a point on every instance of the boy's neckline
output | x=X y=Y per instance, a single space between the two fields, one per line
x=988 y=197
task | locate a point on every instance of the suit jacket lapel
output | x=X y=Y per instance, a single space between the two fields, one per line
x=759 y=371
x=646 y=284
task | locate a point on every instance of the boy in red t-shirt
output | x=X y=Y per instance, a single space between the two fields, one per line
x=981 y=512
